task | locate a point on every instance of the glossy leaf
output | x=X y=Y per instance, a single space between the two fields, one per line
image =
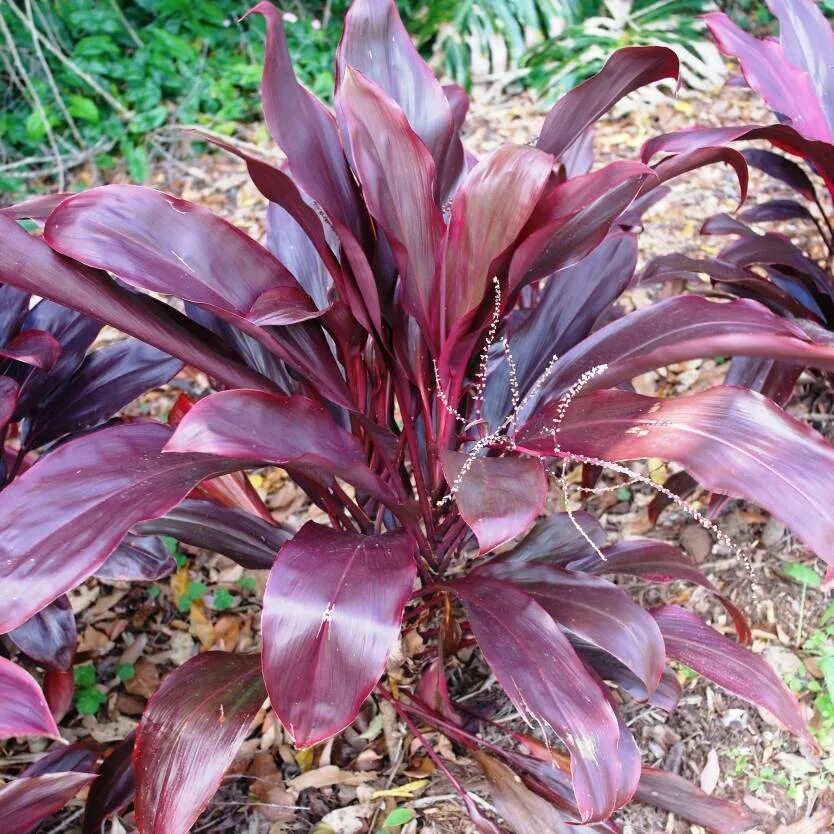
x=108 y=379
x=48 y=637
x=23 y=709
x=189 y=734
x=377 y=44
x=499 y=498
x=332 y=611
x=625 y=71
x=674 y=794
x=137 y=559
x=114 y=788
x=781 y=168
x=397 y=176
x=58 y=689
x=539 y=670
x=27 y=800
x=160 y=243
x=80 y=757
x=683 y=328
x=734 y=441
x=593 y=609
x=78 y=502
x=29 y=264
x=302 y=436
x=33 y=347
x=736 y=669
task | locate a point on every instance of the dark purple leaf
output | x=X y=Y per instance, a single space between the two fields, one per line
x=14 y=305
x=302 y=436
x=491 y=207
x=23 y=709
x=249 y=540
x=397 y=176
x=27 y=800
x=674 y=794
x=786 y=87
x=80 y=757
x=499 y=498
x=593 y=609
x=160 y=243
x=549 y=685
x=332 y=612
x=29 y=264
x=556 y=540
x=49 y=636
x=306 y=131
x=775 y=210
x=683 y=328
x=137 y=559
x=376 y=43
x=33 y=347
x=35 y=208
x=192 y=725
x=108 y=379
x=781 y=168
x=8 y=400
x=691 y=641
x=683 y=163
x=114 y=788
x=734 y=441
x=625 y=71
x=63 y=517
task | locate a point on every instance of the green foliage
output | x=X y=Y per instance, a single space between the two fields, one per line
x=223 y=599
x=193 y=592
x=87 y=697
x=125 y=671
x=398 y=817
x=579 y=51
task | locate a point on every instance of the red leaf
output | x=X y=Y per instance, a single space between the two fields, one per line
x=49 y=636
x=302 y=436
x=114 y=788
x=189 y=734
x=33 y=347
x=734 y=441
x=28 y=800
x=332 y=611
x=499 y=498
x=23 y=709
x=549 y=685
x=691 y=641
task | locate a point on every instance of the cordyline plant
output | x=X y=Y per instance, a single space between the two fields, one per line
x=426 y=336
x=795 y=76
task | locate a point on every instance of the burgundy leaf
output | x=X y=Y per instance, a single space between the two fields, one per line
x=593 y=609
x=58 y=689
x=305 y=130
x=557 y=539
x=49 y=636
x=397 y=174
x=573 y=217
x=691 y=641
x=160 y=243
x=734 y=441
x=301 y=436
x=376 y=43
x=332 y=611
x=114 y=788
x=249 y=540
x=107 y=380
x=786 y=87
x=14 y=305
x=683 y=328
x=80 y=757
x=781 y=168
x=62 y=518
x=625 y=71
x=29 y=264
x=33 y=347
x=776 y=210
x=27 y=800
x=35 y=208
x=499 y=498
x=23 y=709
x=683 y=163
x=189 y=734
x=491 y=207
x=549 y=685
x=674 y=794
x=8 y=400
x=137 y=559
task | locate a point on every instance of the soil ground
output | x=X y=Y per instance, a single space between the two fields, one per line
x=728 y=747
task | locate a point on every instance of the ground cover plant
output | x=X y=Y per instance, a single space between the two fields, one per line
x=427 y=342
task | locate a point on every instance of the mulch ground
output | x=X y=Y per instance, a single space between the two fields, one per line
x=728 y=747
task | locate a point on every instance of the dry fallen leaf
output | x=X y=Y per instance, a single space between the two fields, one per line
x=324 y=777
x=274 y=801
x=711 y=773
x=200 y=625
x=818 y=824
